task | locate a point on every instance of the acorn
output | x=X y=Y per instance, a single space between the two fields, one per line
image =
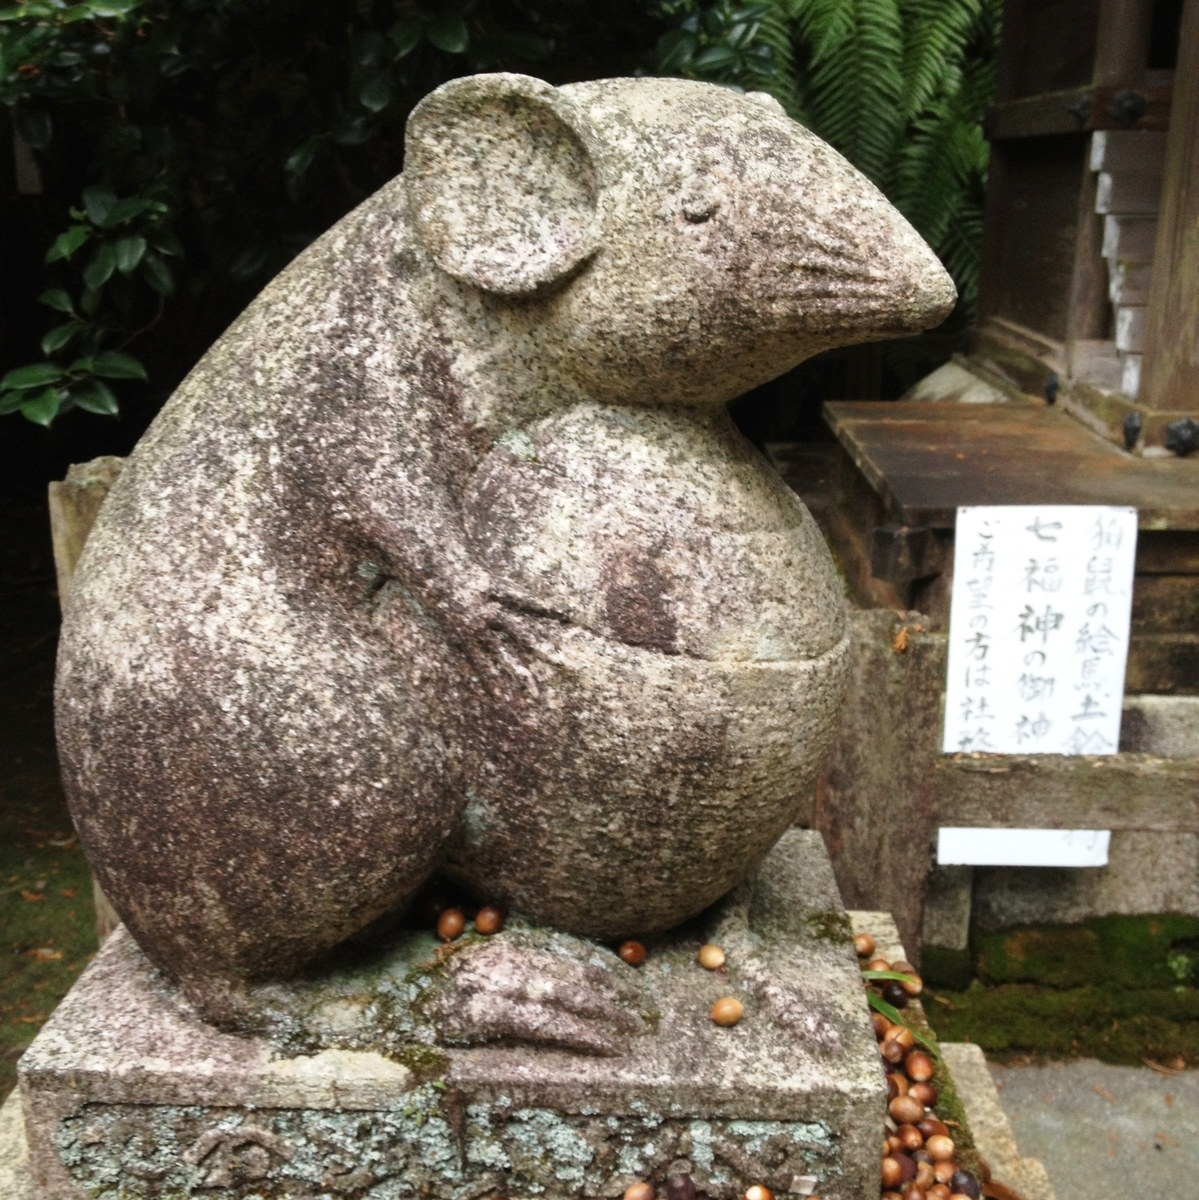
x=758 y=1192
x=893 y=993
x=728 y=1010
x=891 y=1173
x=864 y=945
x=918 y=1067
x=911 y=1138
x=632 y=952
x=905 y=1110
x=878 y=964
x=897 y=1085
x=924 y=1175
x=925 y=1093
x=964 y=1184
x=680 y=1187
x=881 y=1025
x=930 y=1125
x=901 y=1035
x=639 y=1191
x=913 y=1191
x=711 y=957
x=489 y=920
x=939 y=1146
x=893 y=1052
x=939 y=1191
x=945 y=1169
x=450 y=924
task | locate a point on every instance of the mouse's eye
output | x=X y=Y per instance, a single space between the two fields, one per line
x=699 y=202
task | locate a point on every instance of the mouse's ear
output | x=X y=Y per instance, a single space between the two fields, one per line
x=503 y=181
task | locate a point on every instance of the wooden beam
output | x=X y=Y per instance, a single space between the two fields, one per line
x=1170 y=379
x=1077 y=110
x=1120 y=791
x=1122 y=42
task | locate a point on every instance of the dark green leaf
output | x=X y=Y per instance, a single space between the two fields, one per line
x=113 y=364
x=892 y=1014
x=98 y=202
x=10 y=402
x=33 y=376
x=369 y=48
x=96 y=397
x=67 y=243
x=449 y=33
x=100 y=269
x=129 y=253
x=89 y=301
x=165 y=242
x=300 y=159
x=157 y=274
x=60 y=336
x=126 y=210
x=405 y=37
x=58 y=299
x=715 y=58
x=896 y=975
x=43 y=408
x=350 y=131
x=375 y=92
x=675 y=49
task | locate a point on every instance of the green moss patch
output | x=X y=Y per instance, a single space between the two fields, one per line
x=1128 y=952
x=1114 y=1024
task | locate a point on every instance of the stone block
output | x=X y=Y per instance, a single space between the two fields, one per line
x=1129 y=239
x=1167 y=726
x=1129 y=150
x=1130 y=329
x=1131 y=193
x=125 y=1087
x=1148 y=871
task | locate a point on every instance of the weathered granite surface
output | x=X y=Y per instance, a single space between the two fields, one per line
x=129 y=1093
x=447 y=554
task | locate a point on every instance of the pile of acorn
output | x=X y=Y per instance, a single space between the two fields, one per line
x=918 y=1151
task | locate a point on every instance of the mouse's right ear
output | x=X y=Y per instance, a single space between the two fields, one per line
x=503 y=180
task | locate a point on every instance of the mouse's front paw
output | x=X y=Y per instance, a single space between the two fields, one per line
x=563 y=995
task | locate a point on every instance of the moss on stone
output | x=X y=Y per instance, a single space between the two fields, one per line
x=943 y=967
x=1113 y=1024
x=830 y=926
x=1122 y=951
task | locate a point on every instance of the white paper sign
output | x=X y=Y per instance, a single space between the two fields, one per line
x=1022 y=847
x=1038 y=629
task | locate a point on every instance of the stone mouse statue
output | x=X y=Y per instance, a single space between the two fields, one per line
x=448 y=556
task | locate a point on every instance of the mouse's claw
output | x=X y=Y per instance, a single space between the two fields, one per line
x=505 y=990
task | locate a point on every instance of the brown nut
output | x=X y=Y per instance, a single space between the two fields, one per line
x=930 y=1125
x=758 y=1192
x=878 y=964
x=910 y=1137
x=632 y=952
x=925 y=1093
x=728 y=1010
x=939 y=1190
x=881 y=1025
x=939 y=1146
x=924 y=1175
x=711 y=957
x=913 y=985
x=945 y=1169
x=892 y=1175
x=918 y=1067
x=913 y=1192
x=897 y=1085
x=489 y=920
x=893 y=1052
x=450 y=924
x=901 y=1034
x=864 y=945
x=905 y=1110
x=639 y=1191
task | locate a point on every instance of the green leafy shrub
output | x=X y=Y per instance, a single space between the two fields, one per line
x=199 y=145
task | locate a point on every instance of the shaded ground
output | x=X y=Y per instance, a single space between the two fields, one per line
x=1105 y=1130
x=47 y=923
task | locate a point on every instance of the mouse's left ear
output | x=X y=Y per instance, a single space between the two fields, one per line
x=503 y=181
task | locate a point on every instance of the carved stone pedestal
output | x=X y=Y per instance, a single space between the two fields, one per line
x=128 y=1094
